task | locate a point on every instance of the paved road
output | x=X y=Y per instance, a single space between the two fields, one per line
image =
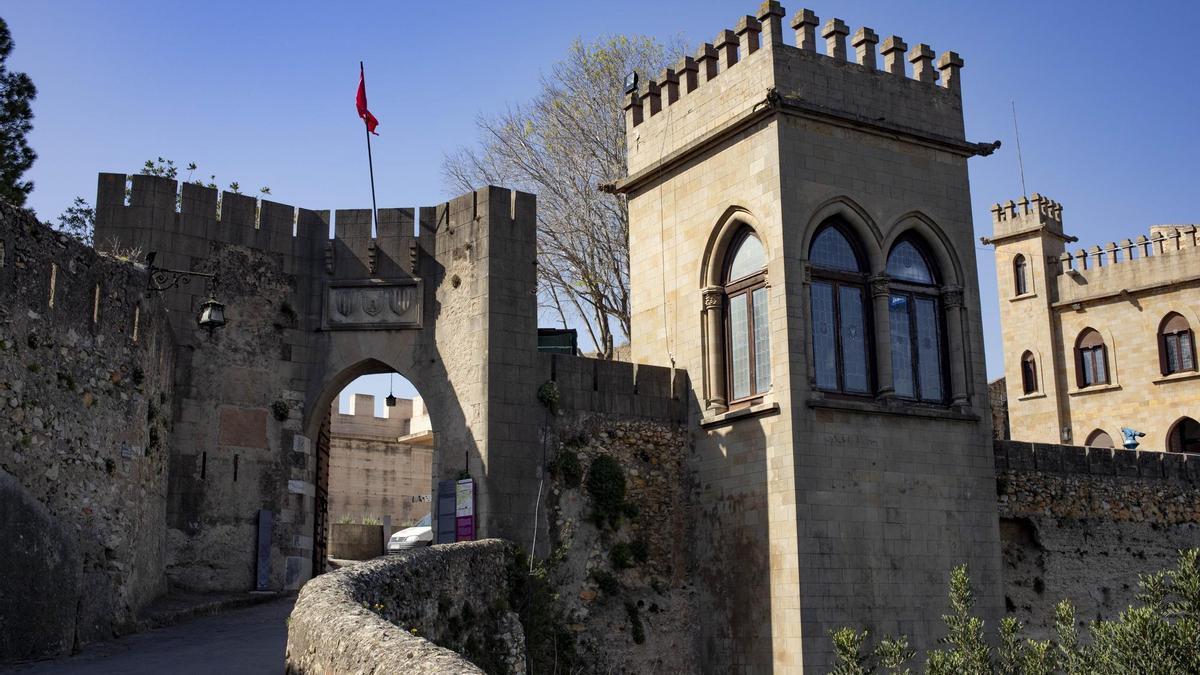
x=247 y=640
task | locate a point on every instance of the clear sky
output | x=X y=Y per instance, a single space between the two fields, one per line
x=1108 y=95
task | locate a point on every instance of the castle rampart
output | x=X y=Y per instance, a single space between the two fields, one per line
x=1082 y=524
x=752 y=69
x=86 y=404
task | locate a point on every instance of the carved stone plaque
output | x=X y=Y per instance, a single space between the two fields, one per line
x=372 y=305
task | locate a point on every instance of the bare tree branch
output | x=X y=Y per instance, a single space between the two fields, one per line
x=562 y=146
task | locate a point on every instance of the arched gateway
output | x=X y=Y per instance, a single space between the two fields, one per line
x=443 y=295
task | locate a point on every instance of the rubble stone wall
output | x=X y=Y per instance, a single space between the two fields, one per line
x=415 y=612
x=85 y=416
x=1083 y=523
x=626 y=591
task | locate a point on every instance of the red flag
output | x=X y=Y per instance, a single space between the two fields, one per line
x=361 y=102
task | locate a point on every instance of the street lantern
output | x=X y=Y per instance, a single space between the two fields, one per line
x=391 y=397
x=212 y=312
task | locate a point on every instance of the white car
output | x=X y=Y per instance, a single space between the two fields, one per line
x=416 y=536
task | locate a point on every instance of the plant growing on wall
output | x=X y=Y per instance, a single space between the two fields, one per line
x=1158 y=636
x=548 y=396
x=281 y=410
x=606 y=487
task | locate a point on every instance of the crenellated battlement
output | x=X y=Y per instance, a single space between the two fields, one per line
x=180 y=220
x=765 y=32
x=1162 y=241
x=751 y=64
x=1028 y=213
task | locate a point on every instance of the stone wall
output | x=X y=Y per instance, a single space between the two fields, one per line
x=415 y=612
x=379 y=466
x=626 y=593
x=1083 y=523
x=355 y=541
x=85 y=372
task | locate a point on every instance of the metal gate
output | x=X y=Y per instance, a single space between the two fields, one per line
x=321 y=507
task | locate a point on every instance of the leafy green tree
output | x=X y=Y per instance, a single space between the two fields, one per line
x=16 y=120
x=967 y=651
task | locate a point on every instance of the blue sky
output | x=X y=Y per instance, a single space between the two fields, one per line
x=263 y=94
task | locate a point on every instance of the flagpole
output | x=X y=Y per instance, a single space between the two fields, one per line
x=370 y=162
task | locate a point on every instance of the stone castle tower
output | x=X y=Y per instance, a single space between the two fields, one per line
x=1031 y=229
x=801 y=242
x=1101 y=338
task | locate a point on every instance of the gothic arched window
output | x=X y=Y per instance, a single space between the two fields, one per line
x=1091 y=359
x=746 y=323
x=1184 y=436
x=1029 y=383
x=1099 y=439
x=1176 y=345
x=841 y=335
x=1020 y=273
x=916 y=326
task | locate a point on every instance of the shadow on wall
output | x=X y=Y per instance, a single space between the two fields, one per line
x=731 y=554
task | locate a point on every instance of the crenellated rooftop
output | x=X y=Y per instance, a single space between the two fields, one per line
x=751 y=63
x=1162 y=241
x=1027 y=214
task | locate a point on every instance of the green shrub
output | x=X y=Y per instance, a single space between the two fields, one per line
x=640 y=551
x=621 y=556
x=1159 y=636
x=566 y=467
x=607 y=583
x=606 y=487
x=635 y=622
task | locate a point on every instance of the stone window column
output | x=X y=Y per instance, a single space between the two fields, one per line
x=714 y=327
x=952 y=302
x=880 y=294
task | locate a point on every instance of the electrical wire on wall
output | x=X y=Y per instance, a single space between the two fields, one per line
x=662 y=247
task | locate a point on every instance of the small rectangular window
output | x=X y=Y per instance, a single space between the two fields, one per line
x=762 y=341
x=824 y=345
x=854 y=339
x=739 y=345
x=929 y=350
x=902 y=365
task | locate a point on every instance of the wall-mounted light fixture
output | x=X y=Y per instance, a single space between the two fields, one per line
x=212 y=312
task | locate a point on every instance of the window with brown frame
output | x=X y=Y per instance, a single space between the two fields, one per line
x=1184 y=436
x=747 y=333
x=839 y=303
x=1019 y=275
x=1176 y=345
x=914 y=315
x=1029 y=383
x=1091 y=359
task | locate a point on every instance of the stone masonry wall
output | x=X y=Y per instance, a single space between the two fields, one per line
x=85 y=373
x=407 y=612
x=626 y=593
x=1083 y=523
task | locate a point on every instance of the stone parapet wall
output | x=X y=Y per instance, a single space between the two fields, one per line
x=617 y=387
x=1083 y=523
x=86 y=366
x=391 y=615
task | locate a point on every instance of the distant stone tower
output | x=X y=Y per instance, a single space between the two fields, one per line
x=1099 y=339
x=1028 y=236
x=801 y=242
